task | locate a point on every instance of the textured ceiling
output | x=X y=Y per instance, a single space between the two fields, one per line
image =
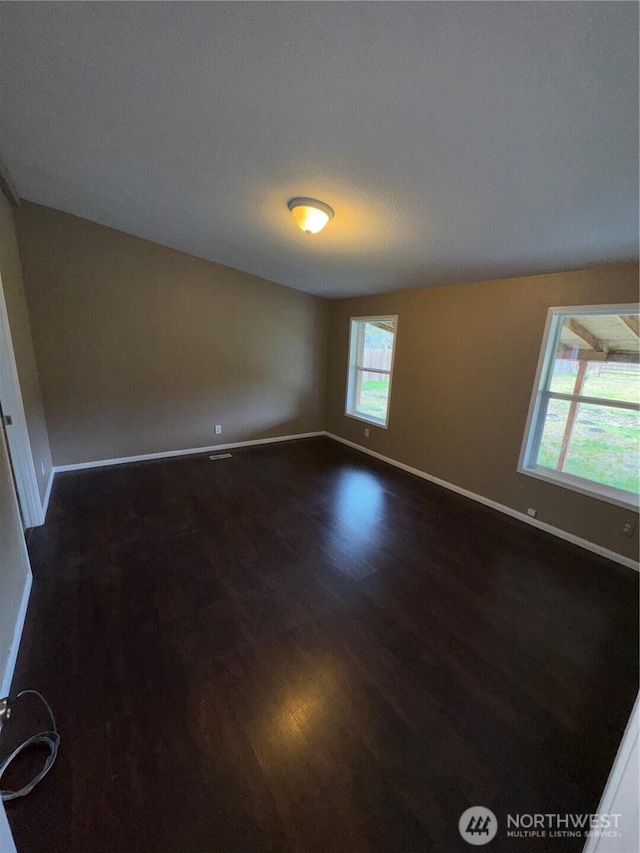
x=455 y=141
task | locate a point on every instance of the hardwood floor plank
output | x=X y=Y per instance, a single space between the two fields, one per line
x=303 y=649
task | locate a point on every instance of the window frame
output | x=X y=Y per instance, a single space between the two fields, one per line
x=355 y=344
x=538 y=405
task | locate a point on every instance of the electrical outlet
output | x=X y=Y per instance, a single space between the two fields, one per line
x=366 y=432
x=532 y=512
x=218 y=429
x=628 y=527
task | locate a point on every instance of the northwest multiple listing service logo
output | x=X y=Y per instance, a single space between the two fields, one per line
x=479 y=825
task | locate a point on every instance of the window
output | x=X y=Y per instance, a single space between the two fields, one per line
x=583 y=430
x=371 y=350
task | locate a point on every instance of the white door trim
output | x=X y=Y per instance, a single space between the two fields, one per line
x=7 y=844
x=7 y=675
x=17 y=433
x=620 y=796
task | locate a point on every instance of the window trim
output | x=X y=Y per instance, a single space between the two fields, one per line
x=350 y=389
x=539 y=396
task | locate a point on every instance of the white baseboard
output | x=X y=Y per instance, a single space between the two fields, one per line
x=7 y=676
x=123 y=460
x=514 y=513
x=47 y=495
x=521 y=516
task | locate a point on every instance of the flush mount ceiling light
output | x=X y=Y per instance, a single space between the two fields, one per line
x=310 y=214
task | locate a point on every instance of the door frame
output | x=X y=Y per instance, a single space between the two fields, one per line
x=17 y=431
x=620 y=796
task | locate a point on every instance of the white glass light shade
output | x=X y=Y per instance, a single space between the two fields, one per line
x=311 y=215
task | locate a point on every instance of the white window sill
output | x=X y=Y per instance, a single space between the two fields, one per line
x=619 y=497
x=366 y=420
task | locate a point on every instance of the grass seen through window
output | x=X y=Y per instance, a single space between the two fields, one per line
x=605 y=441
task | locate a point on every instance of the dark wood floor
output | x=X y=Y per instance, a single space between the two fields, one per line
x=300 y=648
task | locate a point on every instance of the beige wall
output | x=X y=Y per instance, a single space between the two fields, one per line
x=464 y=368
x=12 y=284
x=143 y=349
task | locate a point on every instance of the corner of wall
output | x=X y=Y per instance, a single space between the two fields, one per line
x=23 y=348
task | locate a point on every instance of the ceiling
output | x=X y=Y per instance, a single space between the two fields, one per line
x=455 y=141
